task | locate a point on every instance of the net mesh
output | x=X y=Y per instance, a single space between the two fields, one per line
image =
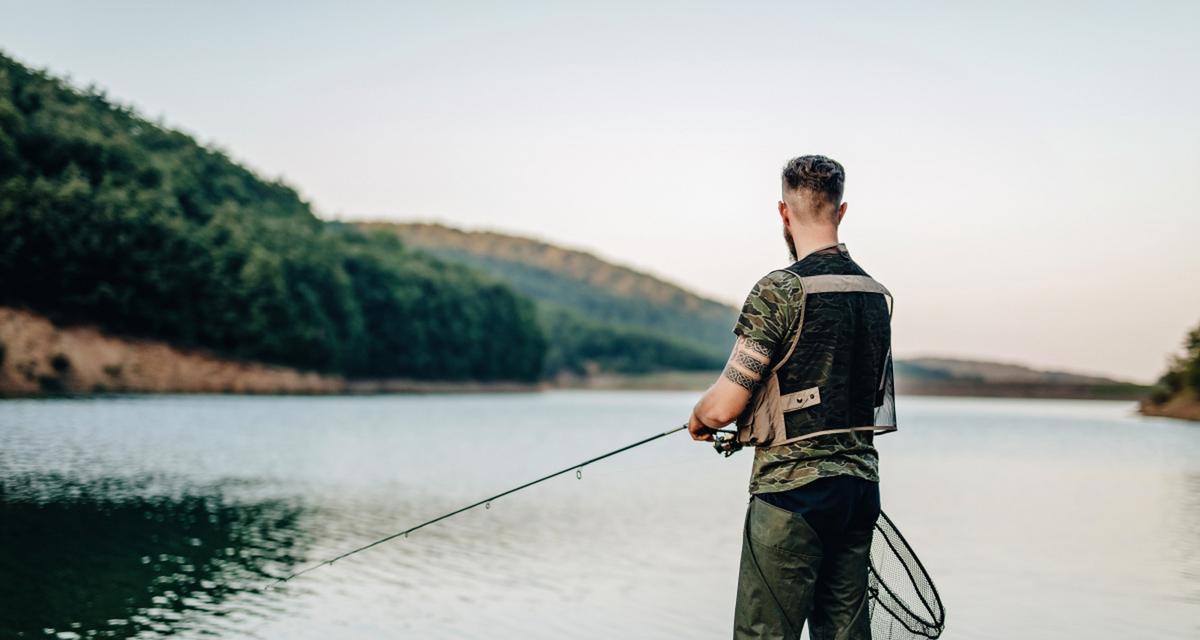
x=903 y=602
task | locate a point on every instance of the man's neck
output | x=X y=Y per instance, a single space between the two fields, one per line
x=809 y=239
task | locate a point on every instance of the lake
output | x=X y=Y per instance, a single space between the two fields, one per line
x=168 y=516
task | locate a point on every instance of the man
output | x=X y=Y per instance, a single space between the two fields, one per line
x=809 y=384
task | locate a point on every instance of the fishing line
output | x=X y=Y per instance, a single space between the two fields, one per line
x=486 y=503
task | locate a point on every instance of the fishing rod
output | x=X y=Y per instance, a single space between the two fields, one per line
x=922 y=620
x=486 y=502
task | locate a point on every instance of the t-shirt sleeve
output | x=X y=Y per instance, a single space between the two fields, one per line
x=769 y=313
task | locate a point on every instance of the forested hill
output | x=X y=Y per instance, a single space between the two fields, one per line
x=112 y=220
x=594 y=311
x=109 y=219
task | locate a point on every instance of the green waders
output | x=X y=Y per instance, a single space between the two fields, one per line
x=788 y=576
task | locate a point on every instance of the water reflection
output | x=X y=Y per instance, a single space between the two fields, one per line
x=166 y=516
x=120 y=557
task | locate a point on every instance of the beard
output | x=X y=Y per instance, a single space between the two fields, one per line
x=791 y=243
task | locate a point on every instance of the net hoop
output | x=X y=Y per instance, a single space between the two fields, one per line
x=931 y=622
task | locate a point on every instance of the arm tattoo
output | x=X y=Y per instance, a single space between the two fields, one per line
x=739 y=378
x=756 y=347
x=750 y=363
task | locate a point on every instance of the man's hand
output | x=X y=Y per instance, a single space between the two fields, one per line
x=698 y=430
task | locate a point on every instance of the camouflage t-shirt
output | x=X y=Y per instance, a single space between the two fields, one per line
x=768 y=318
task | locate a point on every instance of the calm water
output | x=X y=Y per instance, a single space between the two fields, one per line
x=167 y=516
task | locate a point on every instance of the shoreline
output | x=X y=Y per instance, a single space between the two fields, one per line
x=1183 y=406
x=39 y=358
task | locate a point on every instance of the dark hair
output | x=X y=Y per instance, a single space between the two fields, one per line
x=816 y=173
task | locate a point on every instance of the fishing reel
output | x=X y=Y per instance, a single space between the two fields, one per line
x=725 y=442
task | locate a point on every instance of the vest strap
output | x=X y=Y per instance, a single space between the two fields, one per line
x=876 y=429
x=842 y=284
x=795 y=332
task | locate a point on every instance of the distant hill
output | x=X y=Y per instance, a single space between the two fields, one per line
x=940 y=368
x=941 y=377
x=597 y=314
x=963 y=377
x=580 y=294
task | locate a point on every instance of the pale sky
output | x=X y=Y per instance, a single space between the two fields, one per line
x=1023 y=177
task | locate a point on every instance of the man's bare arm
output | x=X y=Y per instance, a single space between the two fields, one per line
x=727 y=397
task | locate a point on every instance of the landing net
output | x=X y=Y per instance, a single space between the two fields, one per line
x=903 y=603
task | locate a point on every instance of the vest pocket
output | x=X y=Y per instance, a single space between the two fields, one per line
x=801 y=399
x=802 y=419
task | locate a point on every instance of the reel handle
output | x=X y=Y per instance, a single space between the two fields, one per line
x=726 y=442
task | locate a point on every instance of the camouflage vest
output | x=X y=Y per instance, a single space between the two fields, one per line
x=836 y=375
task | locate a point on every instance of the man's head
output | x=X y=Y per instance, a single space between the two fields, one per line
x=812 y=199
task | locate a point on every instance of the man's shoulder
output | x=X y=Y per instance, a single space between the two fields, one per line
x=770 y=307
x=782 y=281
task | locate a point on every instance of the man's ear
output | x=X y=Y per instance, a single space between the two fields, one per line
x=841 y=213
x=783 y=212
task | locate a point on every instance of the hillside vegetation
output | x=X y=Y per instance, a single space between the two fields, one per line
x=596 y=315
x=1177 y=393
x=110 y=219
